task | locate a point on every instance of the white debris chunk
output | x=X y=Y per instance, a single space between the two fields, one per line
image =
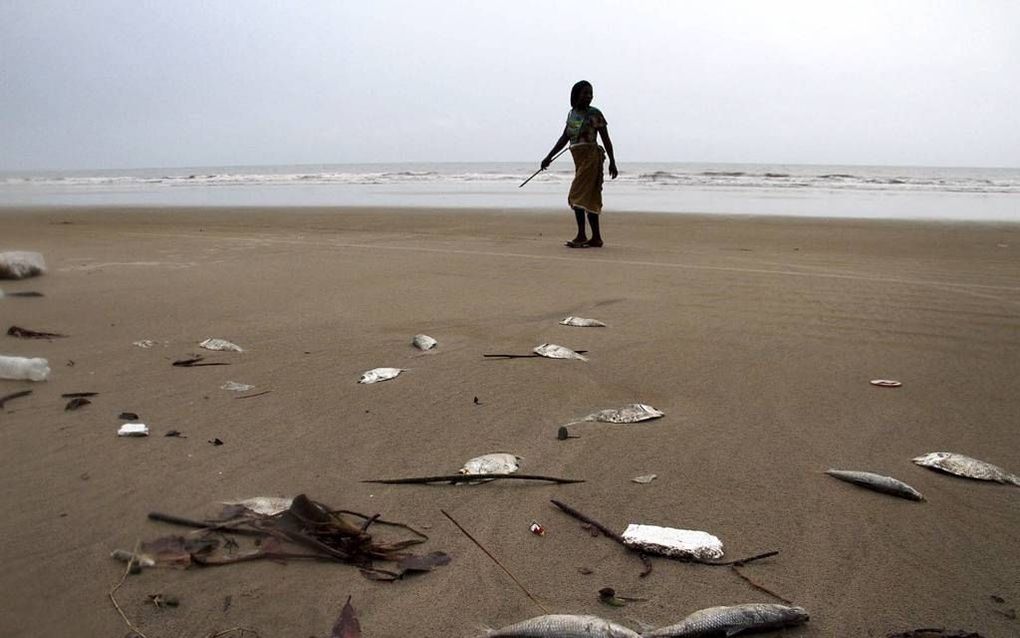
x=379 y=374
x=266 y=505
x=496 y=463
x=20 y=264
x=133 y=429
x=24 y=368
x=581 y=322
x=669 y=541
x=645 y=479
x=553 y=351
x=633 y=413
x=234 y=386
x=220 y=344
x=144 y=343
x=424 y=342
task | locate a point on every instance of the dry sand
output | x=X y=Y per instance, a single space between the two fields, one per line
x=756 y=336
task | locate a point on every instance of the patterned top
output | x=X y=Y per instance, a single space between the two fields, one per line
x=582 y=127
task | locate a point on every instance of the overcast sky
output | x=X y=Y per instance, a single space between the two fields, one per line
x=132 y=83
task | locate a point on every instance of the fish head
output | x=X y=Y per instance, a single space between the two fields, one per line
x=799 y=614
x=931 y=458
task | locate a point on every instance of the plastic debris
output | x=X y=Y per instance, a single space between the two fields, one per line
x=424 y=342
x=553 y=351
x=886 y=383
x=645 y=479
x=581 y=322
x=144 y=343
x=133 y=429
x=220 y=345
x=24 y=368
x=265 y=505
x=536 y=528
x=20 y=264
x=379 y=374
x=669 y=541
x=234 y=386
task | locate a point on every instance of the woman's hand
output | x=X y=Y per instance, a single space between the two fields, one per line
x=612 y=170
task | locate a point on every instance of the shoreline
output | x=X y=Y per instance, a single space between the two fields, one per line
x=756 y=335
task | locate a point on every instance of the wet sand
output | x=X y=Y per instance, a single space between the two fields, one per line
x=756 y=336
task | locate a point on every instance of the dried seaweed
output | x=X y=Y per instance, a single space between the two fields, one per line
x=25 y=333
x=14 y=395
x=196 y=361
x=347 y=625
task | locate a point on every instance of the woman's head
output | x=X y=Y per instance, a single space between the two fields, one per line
x=579 y=96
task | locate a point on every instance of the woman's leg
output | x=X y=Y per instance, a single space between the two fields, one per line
x=596 y=235
x=581 y=236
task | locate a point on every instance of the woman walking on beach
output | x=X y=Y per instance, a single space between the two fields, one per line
x=583 y=122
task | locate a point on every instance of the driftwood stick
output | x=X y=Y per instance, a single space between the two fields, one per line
x=524 y=356
x=13 y=395
x=112 y=594
x=496 y=560
x=215 y=527
x=758 y=586
x=467 y=478
x=252 y=396
x=740 y=562
x=605 y=530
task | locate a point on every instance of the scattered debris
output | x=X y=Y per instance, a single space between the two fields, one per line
x=733 y=619
x=196 y=361
x=496 y=463
x=234 y=386
x=960 y=465
x=265 y=505
x=877 y=482
x=216 y=442
x=128 y=416
x=306 y=530
x=886 y=383
x=24 y=368
x=76 y=403
x=144 y=343
x=424 y=342
x=379 y=374
x=672 y=542
x=536 y=528
x=252 y=396
x=644 y=479
x=14 y=395
x=161 y=601
x=20 y=264
x=347 y=625
x=176 y=434
x=552 y=625
x=477 y=402
x=580 y=322
x=25 y=333
x=220 y=345
x=133 y=429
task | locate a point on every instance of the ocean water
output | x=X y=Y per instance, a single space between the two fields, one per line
x=976 y=194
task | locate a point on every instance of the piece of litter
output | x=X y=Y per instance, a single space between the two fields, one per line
x=424 y=342
x=127 y=416
x=144 y=343
x=645 y=478
x=76 y=403
x=133 y=429
x=537 y=528
x=669 y=541
x=581 y=322
x=176 y=434
x=886 y=383
x=496 y=463
x=633 y=413
x=265 y=505
x=379 y=374
x=553 y=351
x=24 y=368
x=216 y=442
x=234 y=386
x=20 y=264
x=220 y=345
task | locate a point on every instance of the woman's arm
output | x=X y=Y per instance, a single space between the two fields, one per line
x=604 y=132
x=560 y=143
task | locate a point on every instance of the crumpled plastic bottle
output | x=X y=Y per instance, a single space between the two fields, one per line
x=23 y=368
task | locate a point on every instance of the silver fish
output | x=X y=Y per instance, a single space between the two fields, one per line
x=564 y=626
x=220 y=344
x=379 y=374
x=424 y=342
x=966 y=466
x=632 y=413
x=497 y=463
x=581 y=322
x=731 y=620
x=877 y=482
x=553 y=351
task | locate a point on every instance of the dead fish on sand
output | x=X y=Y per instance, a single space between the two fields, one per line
x=729 y=620
x=553 y=351
x=220 y=345
x=379 y=374
x=877 y=482
x=669 y=541
x=564 y=626
x=266 y=505
x=968 y=467
x=424 y=342
x=633 y=413
x=581 y=322
x=497 y=463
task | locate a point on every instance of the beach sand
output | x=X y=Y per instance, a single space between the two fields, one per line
x=756 y=336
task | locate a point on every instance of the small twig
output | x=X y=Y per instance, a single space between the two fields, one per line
x=380 y=521
x=13 y=395
x=608 y=532
x=113 y=598
x=78 y=395
x=759 y=587
x=369 y=521
x=215 y=527
x=496 y=560
x=740 y=562
x=467 y=478
x=524 y=356
x=257 y=394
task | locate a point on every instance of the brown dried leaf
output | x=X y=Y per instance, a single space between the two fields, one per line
x=426 y=563
x=347 y=625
